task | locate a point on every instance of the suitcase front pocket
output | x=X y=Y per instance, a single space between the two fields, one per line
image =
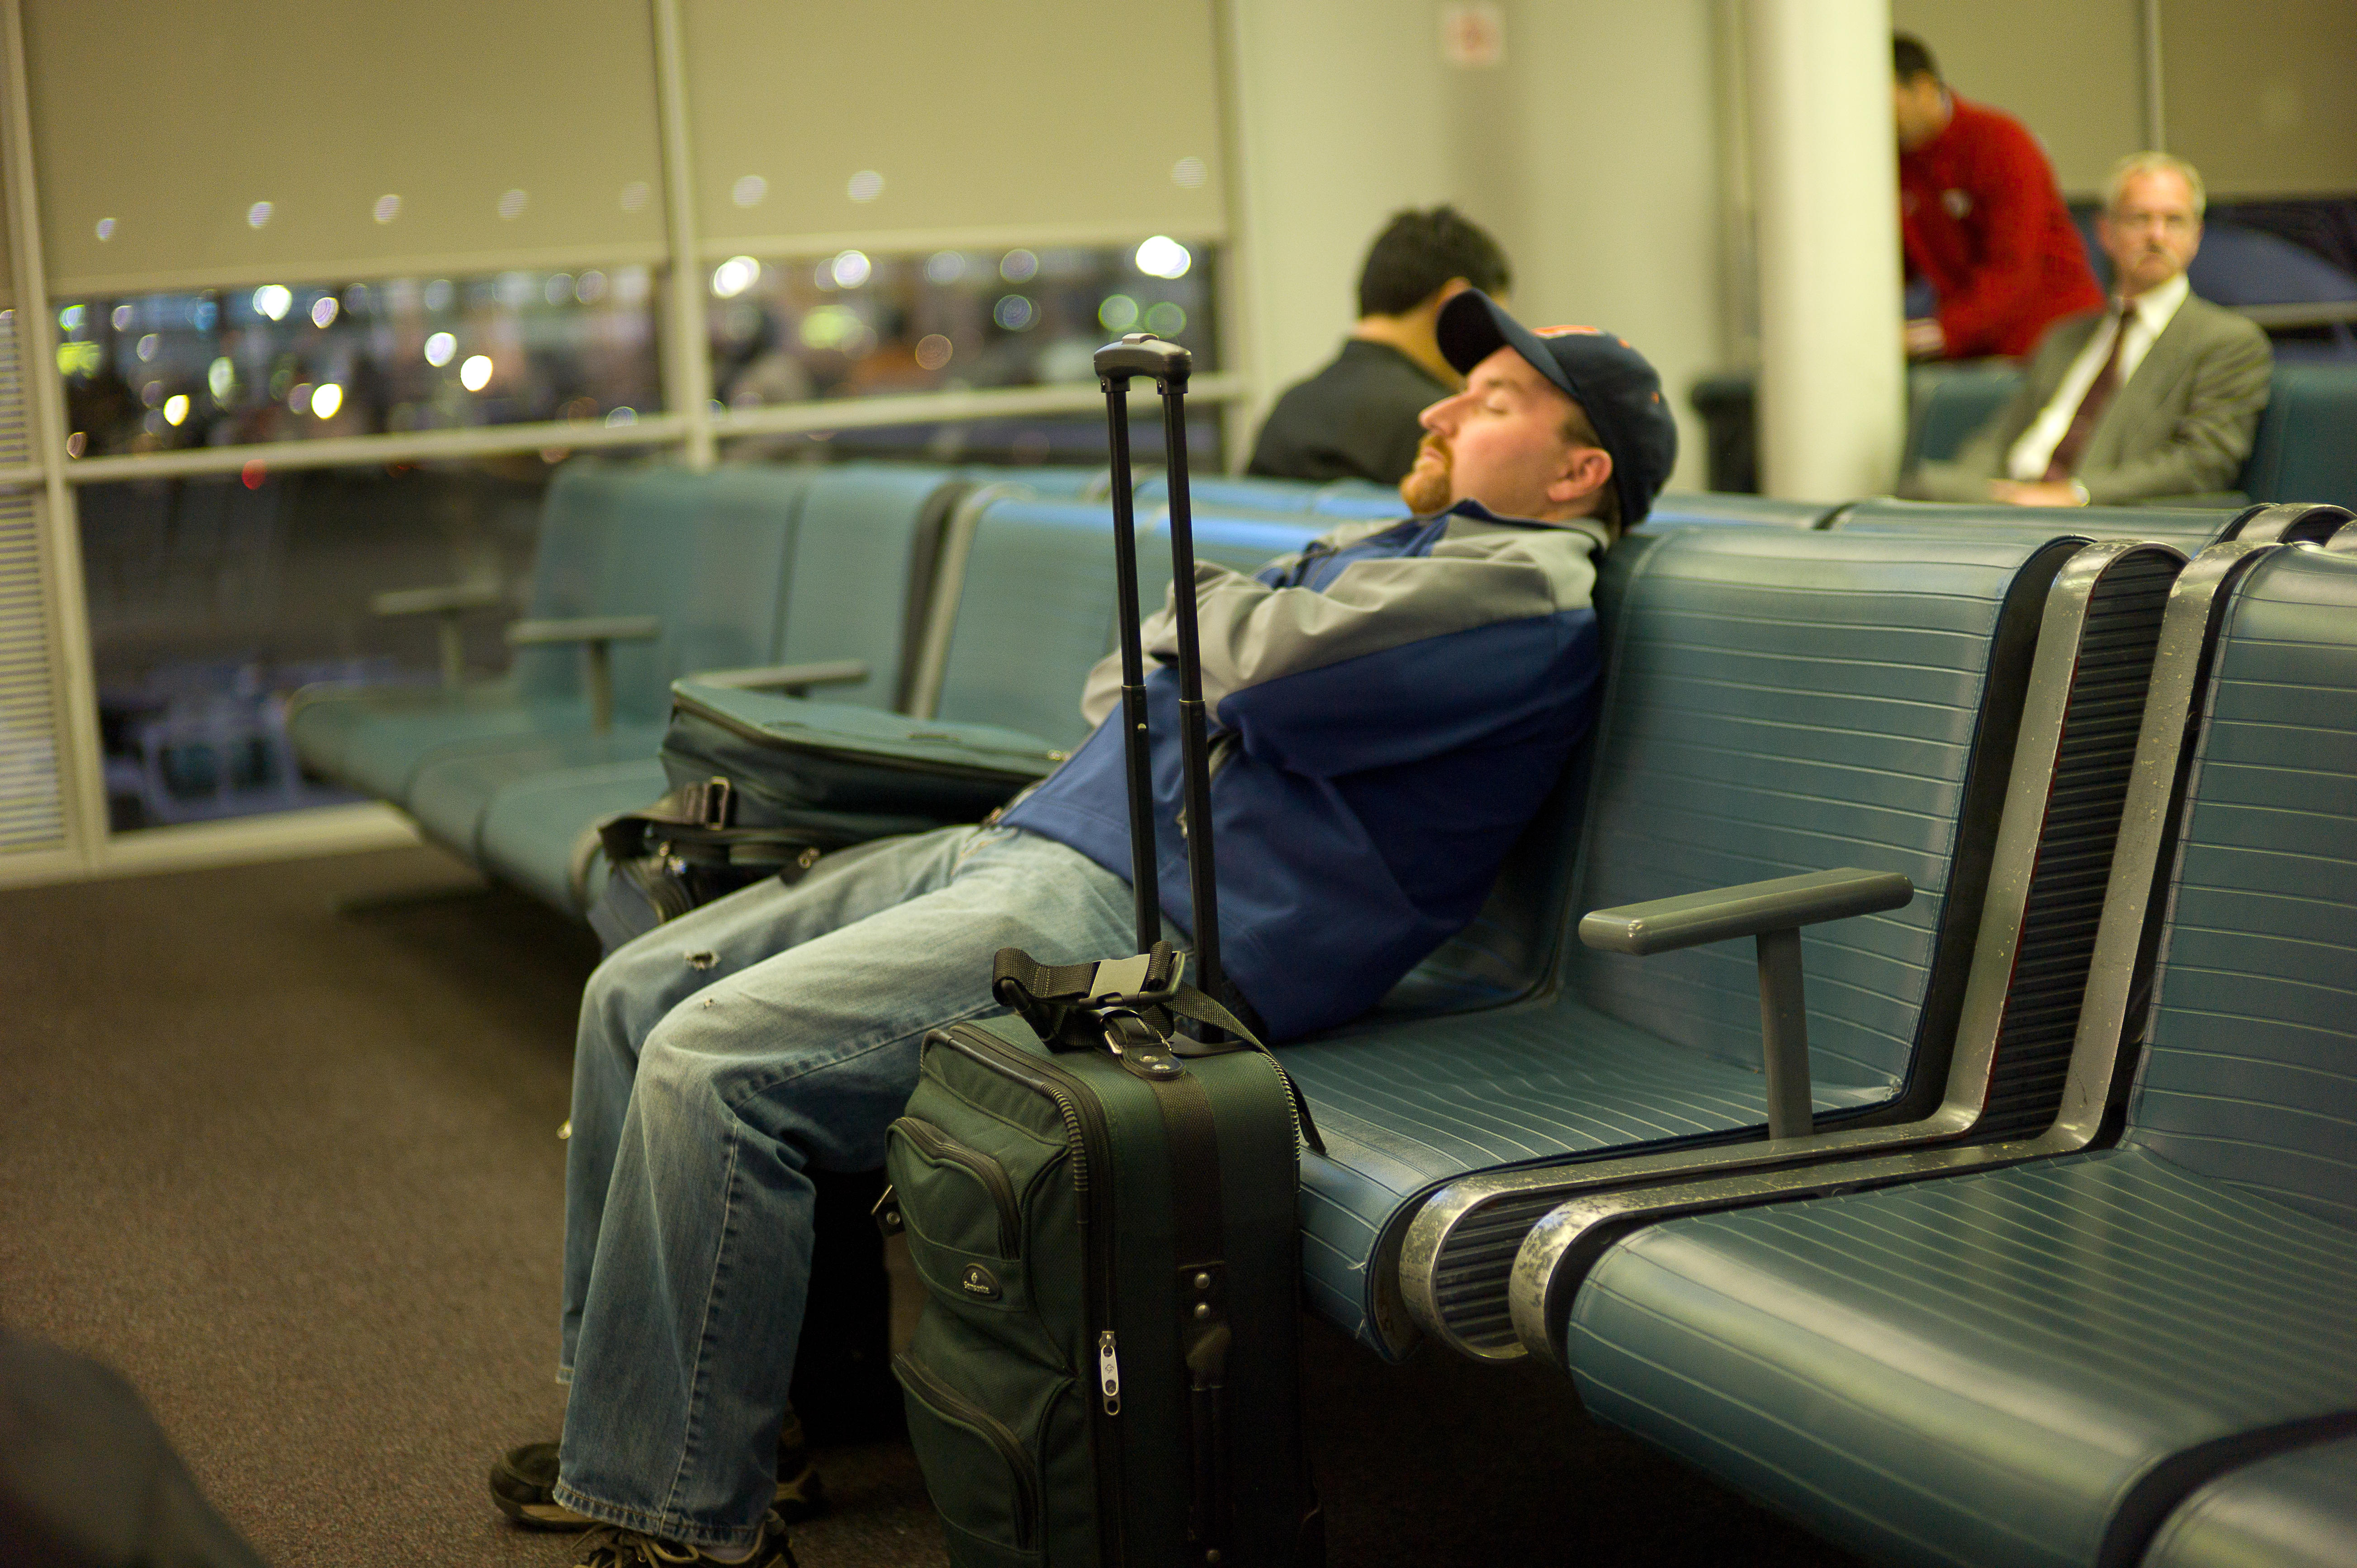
x=983 y=1479
x=944 y=1160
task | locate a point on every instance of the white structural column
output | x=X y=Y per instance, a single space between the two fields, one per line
x=1833 y=376
x=686 y=351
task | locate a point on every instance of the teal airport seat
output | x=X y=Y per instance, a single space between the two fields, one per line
x=1777 y=700
x=1949 y=402
x=2301 y=450
x=1711 y=508
x=1222 y=493
x=2292 y=1510
x=1026 y=615
x=371 y=739
x=2306 y=449
x=1348 y=500
x=2187 y=528
x=2036 y=1352
x=1055 y=482
x=862 y=533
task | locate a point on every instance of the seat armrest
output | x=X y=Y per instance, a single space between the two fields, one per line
x=1773 y=912
x=584 y=628
x=788 y=678
x=437 y=601
x=596 y=635
x=1782 y=903
x=448 y=603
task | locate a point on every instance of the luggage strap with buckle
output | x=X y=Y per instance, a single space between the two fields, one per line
x=1129 y=1006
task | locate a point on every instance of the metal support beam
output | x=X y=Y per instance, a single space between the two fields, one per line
x=687 y=353
x=73 y=687
x=1784 y=1033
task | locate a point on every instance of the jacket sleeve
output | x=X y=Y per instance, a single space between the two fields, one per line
x=2007 y=198
x=2213 y=436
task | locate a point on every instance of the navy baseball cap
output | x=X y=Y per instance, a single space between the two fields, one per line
x=1596 y=369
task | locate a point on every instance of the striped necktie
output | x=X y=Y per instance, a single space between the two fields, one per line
x=2090 y=407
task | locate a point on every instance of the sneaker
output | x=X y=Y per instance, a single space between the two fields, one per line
x=524 y=1483
x=610 y=1546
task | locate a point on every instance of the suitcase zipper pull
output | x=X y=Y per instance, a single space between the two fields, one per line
x=1109 y=1373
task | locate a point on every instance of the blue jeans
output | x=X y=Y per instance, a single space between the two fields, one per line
x=721 y=1057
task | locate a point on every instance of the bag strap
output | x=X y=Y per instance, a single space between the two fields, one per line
x=1124 y=1004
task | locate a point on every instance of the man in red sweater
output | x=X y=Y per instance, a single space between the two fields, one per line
x=1984 y=224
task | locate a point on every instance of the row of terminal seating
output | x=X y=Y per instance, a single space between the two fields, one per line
x=2054 y=1267
x=2301 y=448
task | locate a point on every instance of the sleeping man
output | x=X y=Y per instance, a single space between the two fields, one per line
x=1389 y=707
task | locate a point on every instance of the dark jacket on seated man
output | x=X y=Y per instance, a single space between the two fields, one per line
x=1353 y=420
x=1356 y=419
x=2180 y=425
x=2156 y=395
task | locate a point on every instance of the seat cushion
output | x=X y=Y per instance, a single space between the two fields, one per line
x=1405 y=1110
x=529 y=830
x=2296 y=1510
x=2187 y=527
x=453 y=789
x=1980 y=1369
x=382 y=754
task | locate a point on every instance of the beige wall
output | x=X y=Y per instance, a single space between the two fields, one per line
x=2084 y=100
x=2260 y=96
x=2256 y=94
x=1591 y=153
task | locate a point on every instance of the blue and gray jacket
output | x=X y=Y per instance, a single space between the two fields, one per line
x=1388 y=709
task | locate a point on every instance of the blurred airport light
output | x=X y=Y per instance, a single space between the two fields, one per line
x=750 y=191
x=1014 y=312
x=852 y=269
x=325 y=400
x=1118 y=312
x=273 y=300
x=258 y=214
x=512 y=203
x=945 y=267
x=934 y=351
x=105 y=228
x=866 y=186
x=386 y=210
x=439 y=349
x=1017 y=265
x=1164 y=257
x=1187 y=172
x=176 y=408
x=323 y=310
x=734 y=275
x=476 y=373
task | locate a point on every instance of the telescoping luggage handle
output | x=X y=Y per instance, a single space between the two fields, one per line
x=1144 y=354
x=1132 y=1005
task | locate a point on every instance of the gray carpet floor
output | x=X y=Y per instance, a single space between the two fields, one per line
x=280 y=1144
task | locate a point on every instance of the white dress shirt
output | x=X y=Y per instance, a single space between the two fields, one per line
x=2153 y=310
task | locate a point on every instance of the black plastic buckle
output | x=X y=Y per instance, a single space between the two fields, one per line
x=713 y=804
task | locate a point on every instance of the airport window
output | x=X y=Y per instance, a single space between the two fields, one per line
x=852 y=323
x=288 y=362
x=212 y=599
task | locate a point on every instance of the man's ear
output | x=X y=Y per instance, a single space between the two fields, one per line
x=1585 y=470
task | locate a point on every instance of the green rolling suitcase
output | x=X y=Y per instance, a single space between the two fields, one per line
x=1103 y=1211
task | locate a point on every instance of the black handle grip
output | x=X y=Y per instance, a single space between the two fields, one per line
x=1144 y=354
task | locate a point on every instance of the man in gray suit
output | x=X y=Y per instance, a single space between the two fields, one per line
x=2155 y=396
